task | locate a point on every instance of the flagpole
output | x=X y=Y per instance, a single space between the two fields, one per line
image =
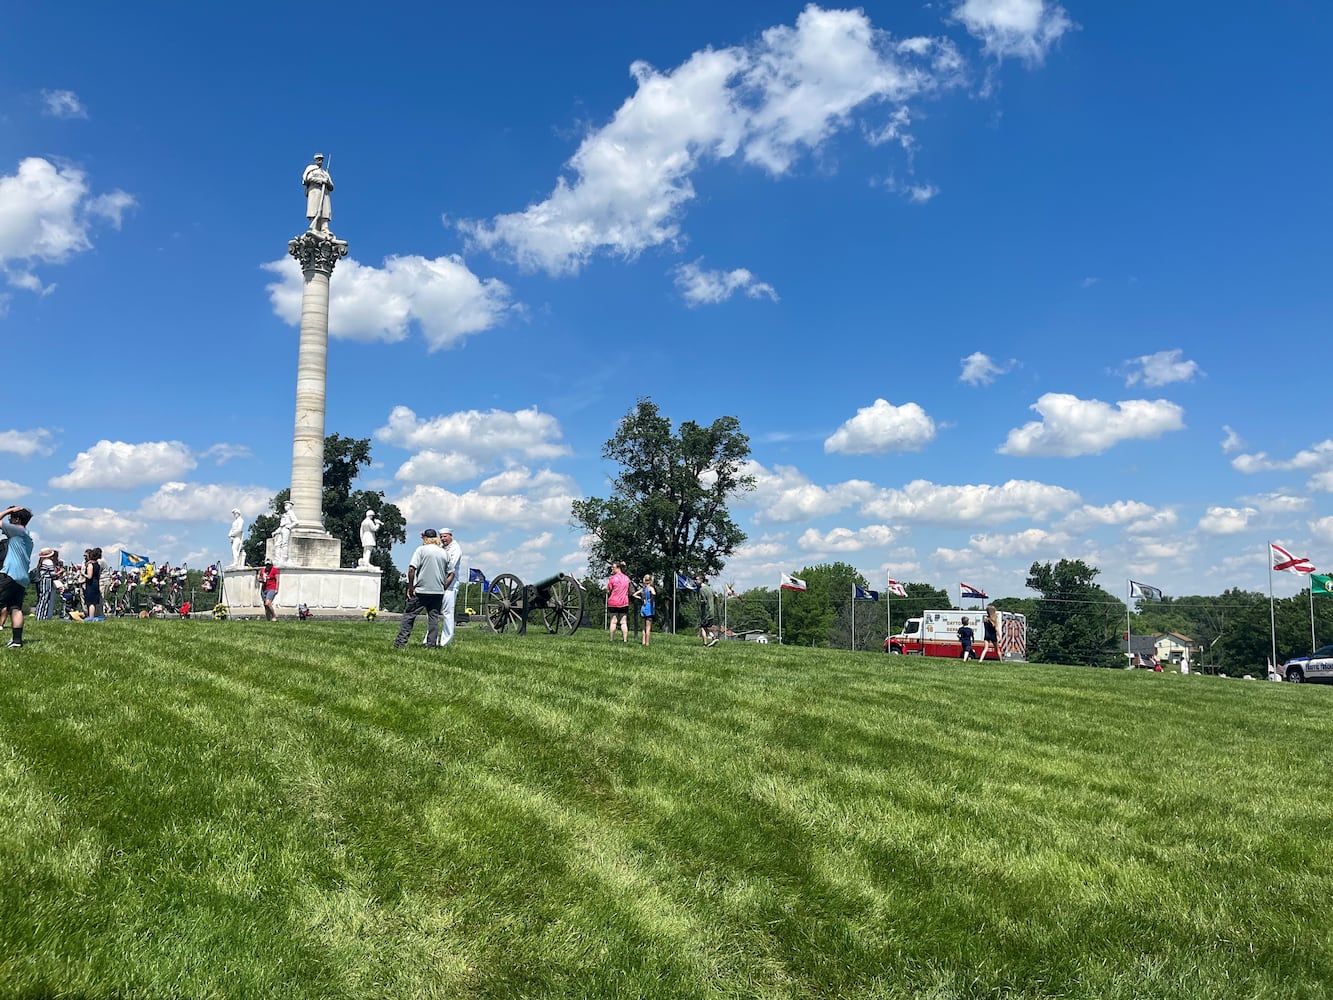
x=675 y=594
x=1272 y=617
x=852 y=646
x=1312 y=647
x=779 y=611
x=1129 y=637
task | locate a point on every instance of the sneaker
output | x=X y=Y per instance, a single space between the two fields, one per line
x=712 y=643
x=15 y=645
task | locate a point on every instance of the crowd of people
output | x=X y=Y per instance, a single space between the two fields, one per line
x=620 y=591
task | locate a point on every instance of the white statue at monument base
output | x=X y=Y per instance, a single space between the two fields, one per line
x=283 y=536
x=370 y=526
x=235 y=535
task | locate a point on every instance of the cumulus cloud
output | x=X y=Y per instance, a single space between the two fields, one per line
x=87 y=525
x=1226 y=520
x=1023 y=29
x=63 y=104
x=25 y=444
x=786 y=494
x=698 y=286
x=1028 y=543
x=1071 y=426
x=445 y=300
x=928 y=502
x=519 y=479
x=1231 y=442
x=846 y=539
x=119 y=465
x=177 y=501
x=46 y=214
x=979 y=369
x=1160 y=369
x=12 y=490
x=459 y=445
x=883 y=427
x=1316 y=457
x=473 y=510
x=769 y=103
x=1323 y=528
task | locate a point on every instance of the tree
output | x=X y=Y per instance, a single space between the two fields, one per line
x=1075 y=621
x=343 y=509
x=669 y=510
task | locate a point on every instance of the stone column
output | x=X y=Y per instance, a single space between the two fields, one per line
x=317 y=255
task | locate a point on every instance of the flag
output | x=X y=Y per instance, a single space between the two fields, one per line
x=1143 y=591
x=1285 y=562
x=1321 y=583
x=897 y=589
x=730 y=592
x=791 y=582
x=130 y=559
x=475 y=575
x=969 y=593
x=861 y=594
x=683 y=582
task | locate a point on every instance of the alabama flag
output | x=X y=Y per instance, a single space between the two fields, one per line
x=792 y=583
x=1284 y=561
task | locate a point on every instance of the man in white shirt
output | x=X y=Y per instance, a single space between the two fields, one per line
x=454 y=555
x=427 y=577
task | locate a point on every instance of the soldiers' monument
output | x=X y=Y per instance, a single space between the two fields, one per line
x=310 y=558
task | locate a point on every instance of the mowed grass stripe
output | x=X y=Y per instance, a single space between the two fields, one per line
x=223 y=809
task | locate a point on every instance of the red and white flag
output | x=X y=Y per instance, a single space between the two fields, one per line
x=896 y=588
x=730 y=592
x=792 y=583
x=1285 y=562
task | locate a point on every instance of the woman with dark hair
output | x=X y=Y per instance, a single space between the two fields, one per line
x=48 y=568
x=92 y=584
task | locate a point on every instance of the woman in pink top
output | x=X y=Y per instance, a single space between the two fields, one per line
x=617 y=601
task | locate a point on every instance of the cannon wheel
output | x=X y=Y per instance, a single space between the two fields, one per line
x=504 y=607
x=564 y=608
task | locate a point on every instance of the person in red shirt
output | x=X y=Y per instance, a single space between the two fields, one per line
x=617 y=601
x=268 y=588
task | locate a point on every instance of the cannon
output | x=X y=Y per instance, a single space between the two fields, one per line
x=559 y=599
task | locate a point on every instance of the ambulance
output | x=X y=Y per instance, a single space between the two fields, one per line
x=935 y=633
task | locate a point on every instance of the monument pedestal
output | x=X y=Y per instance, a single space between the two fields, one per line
x=328 y=593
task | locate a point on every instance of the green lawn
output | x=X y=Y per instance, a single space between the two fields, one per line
x=236 y=809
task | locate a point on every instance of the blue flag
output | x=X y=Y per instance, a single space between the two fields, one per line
x=866 y=595
x=130 y=559
x=475 y=575
x=685 y=583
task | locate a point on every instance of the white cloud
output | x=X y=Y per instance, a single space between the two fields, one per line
x=1160 y=369
x=445 y=299
x=979 y=369
x=846 y=539
x=472 y=510
x=1024 y=29
x=1071 y=426
x=917 y=194
x=223 y=452
x=1231 y=443
x=1280 y=503
x=12 y=490
x=787 y=94
x=45 y=214
x=118 y=465
x=459 y=445
x=928 y=502
x=86 y=525
x=1226 y=520
x=1027 y=543
x=176 y=501
x=1316 y=457
x=701 y=287
x=63 y=104
x=785 y=494
x=1323 y=528
x=26 y=443
x=883 y=427
x=543 y=483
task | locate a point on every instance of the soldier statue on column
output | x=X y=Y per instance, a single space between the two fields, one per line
x=318 y=196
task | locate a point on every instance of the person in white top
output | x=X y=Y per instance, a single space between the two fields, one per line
x=454 y=554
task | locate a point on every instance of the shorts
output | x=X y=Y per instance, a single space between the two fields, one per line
x=269 y=595
x=618 y=611
x=991 y=637
x=11 y=593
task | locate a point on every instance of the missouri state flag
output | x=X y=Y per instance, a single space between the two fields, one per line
x=859 y=593
x=792 y=583
x=970 y=593
x=130 y=559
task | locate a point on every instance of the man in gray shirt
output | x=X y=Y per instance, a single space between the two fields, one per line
x=427 y=579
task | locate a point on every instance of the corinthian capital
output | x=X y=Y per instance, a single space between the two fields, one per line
x=316 y=252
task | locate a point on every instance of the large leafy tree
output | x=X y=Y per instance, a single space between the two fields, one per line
x=1075 y=621
x=668 y=510
x=343 y=509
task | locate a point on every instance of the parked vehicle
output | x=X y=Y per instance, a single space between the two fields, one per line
x=935 y=633
x=1316 y=667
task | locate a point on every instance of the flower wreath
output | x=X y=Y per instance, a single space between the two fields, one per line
x=220 y=612
x=372 y=614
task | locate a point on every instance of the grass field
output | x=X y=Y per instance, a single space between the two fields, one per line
x=235 y=809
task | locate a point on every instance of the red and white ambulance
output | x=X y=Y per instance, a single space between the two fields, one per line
x=935 y=633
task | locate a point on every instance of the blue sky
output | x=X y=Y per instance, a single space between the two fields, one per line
x=985 y=281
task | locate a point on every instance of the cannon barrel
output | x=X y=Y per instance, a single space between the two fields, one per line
x=548 y=583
